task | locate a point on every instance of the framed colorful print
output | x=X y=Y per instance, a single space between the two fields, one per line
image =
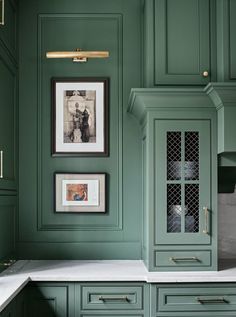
x=80 y=192
x=80 y=117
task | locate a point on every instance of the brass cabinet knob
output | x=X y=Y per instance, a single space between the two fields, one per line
x=205 y=73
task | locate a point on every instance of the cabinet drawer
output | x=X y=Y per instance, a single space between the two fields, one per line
x=207 y=298
x=182 y=258
x=111 y=297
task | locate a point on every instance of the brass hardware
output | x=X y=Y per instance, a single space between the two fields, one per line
x=120 y=298
x=219 y=300
x=2 y=9
x=206 y=213
x=79 y=55
x=7 y=264
x=1 y=164
x=205 y=73
x=193 y=258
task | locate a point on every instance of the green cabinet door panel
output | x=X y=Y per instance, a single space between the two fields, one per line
x=8 y=87
x=49 y=300
x=198 y=187
x=226 y=41
x=8 y=31
x=7 y=226
x=10 y=310
x=180 y=42
x=209 y=299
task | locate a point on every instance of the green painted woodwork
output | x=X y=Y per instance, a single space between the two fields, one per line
x=164 y=258
x=7 y=226
x=223 y=96
x=226 y=43
x=87 y=299
x=8 y=120
x=161 y=127
x=53 y=299
x=91 y=297
x=16 y=308
x=182 y=299
x=177 y=42
x=8 y=31
x=10 y=310
x=91 y=25
x=80 y=299
x=159 y=110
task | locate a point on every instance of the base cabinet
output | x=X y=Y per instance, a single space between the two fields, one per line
x=124 y=300
x=49 y=300
x=8 y=205
x=193 y=300
x=87 y=299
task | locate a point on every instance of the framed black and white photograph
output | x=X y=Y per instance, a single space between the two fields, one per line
x=80 y=117
x=80 y=192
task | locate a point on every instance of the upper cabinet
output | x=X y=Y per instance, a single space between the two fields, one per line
x=8 y=94
x=8 y=35
x=177 y=42
x=226 y=40
x=179 y=178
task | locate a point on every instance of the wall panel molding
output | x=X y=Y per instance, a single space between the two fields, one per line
x=93 y=223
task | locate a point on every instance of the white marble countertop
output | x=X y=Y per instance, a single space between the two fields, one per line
x=13 y=280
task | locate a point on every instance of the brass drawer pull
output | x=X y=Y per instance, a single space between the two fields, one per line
x=190 y=259
x=2 y=9
x=207 y=220
x=219 y=300
x=1 y=164
x=120 y=298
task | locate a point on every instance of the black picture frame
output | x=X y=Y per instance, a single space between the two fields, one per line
x=83 y=148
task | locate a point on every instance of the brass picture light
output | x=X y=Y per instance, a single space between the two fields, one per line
x=78 y=55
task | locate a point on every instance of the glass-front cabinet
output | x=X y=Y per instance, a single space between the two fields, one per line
x=179 y=178
x=183 y=158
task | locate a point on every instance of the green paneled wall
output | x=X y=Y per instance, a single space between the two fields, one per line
x=91 y=25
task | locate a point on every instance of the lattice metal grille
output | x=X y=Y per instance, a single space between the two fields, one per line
x=173 y=208
x=191 y=165
x=192 y=208
x=173 y=155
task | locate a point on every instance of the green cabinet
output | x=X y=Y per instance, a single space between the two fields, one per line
x=8 y=93
x=179 y=177
x=193 y=300
x=7 y=227
x=226 y=40
x=8 y=31
x=50 y=300
x=87 y=299
x=177 y=42
x=10 y=310
x=108 y=299
x=16 y=308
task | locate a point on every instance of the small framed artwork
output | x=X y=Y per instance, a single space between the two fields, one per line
x=80 y=117
x=80 y=192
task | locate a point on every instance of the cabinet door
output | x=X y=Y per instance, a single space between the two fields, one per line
x=7 y=227
x=48 y=301
x=10 y=310
x=182 y=182
x=226 y=40
x=7 y=123
x=182 y=42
